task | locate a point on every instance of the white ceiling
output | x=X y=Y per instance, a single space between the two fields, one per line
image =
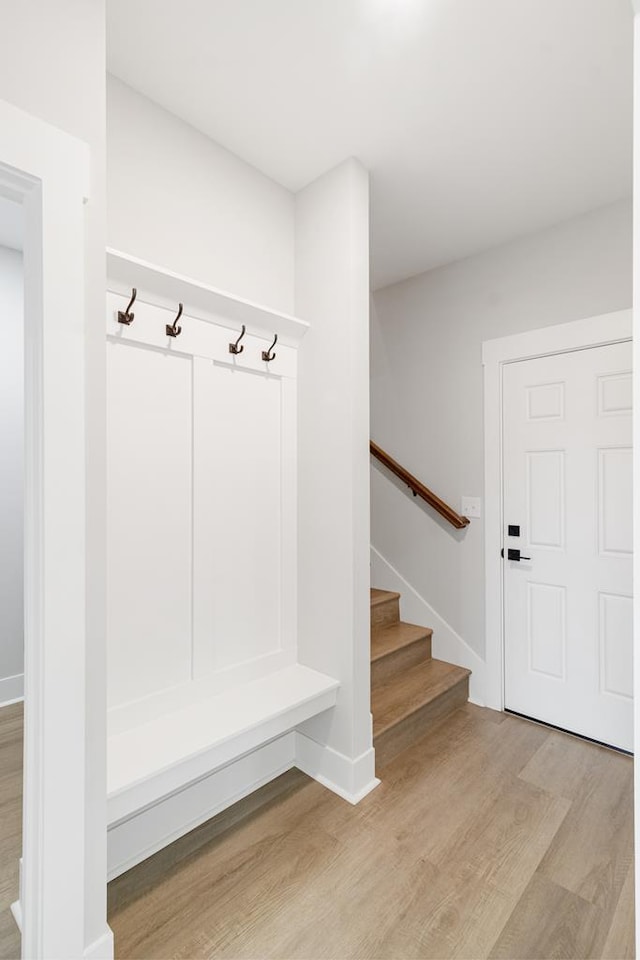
x=480 y=120
x=11 y=224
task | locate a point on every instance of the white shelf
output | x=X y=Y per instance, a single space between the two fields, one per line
x=154 y=759
x=165 y=288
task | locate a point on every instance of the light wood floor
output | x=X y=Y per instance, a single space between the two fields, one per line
x=491 y=837
x=10 y=824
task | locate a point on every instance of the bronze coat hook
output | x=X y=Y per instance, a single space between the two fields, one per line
x=233 y=347
x=126 y=316
x=267 y=355
x=174 y=330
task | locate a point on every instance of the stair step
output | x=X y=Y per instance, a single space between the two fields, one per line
x=409 y=703
x=385 y=607
x=397 y=647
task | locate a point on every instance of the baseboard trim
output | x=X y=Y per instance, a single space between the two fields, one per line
x=11 y=689
x=447 y=644
x=102 y=948
x=137 y=837
x=16 y=913
x=133 y=839
x=351 y=779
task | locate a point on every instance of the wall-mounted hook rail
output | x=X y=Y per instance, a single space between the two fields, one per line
x=268 y=355
x=174 y=330
x=233 y=347
x=125 y=316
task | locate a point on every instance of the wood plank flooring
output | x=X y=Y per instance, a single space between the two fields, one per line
x=490 y=837
x=10 y=824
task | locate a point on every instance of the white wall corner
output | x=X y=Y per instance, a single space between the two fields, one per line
x=351 y=779
x=447 y=644
x=102 y=948
x=332 y=294
x=636 y=6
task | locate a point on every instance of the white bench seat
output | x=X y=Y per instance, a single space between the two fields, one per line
x=155 y=758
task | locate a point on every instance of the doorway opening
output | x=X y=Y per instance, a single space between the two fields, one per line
x=45 y=172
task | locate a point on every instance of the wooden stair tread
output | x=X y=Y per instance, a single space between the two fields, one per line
x=393 y=636
x=382 y=596
x=417 y=687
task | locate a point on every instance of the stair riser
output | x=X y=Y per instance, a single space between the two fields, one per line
x=405 y=733
x=394 y=663
x=385 y=613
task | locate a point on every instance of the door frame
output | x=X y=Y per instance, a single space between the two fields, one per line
x=47 y=172
x=607 y=328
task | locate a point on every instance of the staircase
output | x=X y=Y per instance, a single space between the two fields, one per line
x=410 y=691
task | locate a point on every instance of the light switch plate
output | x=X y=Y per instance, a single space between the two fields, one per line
x=471 y=508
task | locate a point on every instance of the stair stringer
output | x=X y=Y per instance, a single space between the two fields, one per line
x=446 y=643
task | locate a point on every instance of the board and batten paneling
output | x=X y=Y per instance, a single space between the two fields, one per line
x=237 y=514
x=149 y=510
x=201 y=507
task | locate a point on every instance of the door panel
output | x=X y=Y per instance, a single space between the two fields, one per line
x=568 y=485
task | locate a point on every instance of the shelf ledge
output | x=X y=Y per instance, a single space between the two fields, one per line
x=164 y=288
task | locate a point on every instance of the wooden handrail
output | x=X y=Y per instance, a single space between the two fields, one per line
x=418 y=489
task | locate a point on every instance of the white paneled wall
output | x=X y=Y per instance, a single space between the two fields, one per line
x=201 y=507
x=237 y=515
x=149 y=520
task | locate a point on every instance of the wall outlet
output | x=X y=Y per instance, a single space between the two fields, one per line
x=471 y=508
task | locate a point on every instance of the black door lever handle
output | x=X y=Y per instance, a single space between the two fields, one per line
x=513 y=554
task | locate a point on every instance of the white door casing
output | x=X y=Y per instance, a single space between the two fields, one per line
x=48 y=172
x=496 y=355
x=568 y=487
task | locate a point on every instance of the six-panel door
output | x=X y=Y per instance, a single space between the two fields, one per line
x=568 y=486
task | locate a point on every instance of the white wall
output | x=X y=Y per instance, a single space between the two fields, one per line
x=181 y=201
x=332 y=284
x=69 y=37
x=11 y=476
x=427 y=387
x=636 y=449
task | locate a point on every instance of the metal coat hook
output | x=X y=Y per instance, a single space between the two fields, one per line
x=126 y=316
x=267 y=355
x=174 y=330
x=233 y=347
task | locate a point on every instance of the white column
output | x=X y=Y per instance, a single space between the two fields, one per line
x=332 y=293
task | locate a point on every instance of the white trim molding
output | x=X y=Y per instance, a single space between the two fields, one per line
x=636 y=446
x=351 y=779
x=140 y=835
x=47 y=171
x=143 y=832
x=547 y=341
x=11 y=689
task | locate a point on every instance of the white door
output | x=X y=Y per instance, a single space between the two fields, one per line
x=568 y=511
